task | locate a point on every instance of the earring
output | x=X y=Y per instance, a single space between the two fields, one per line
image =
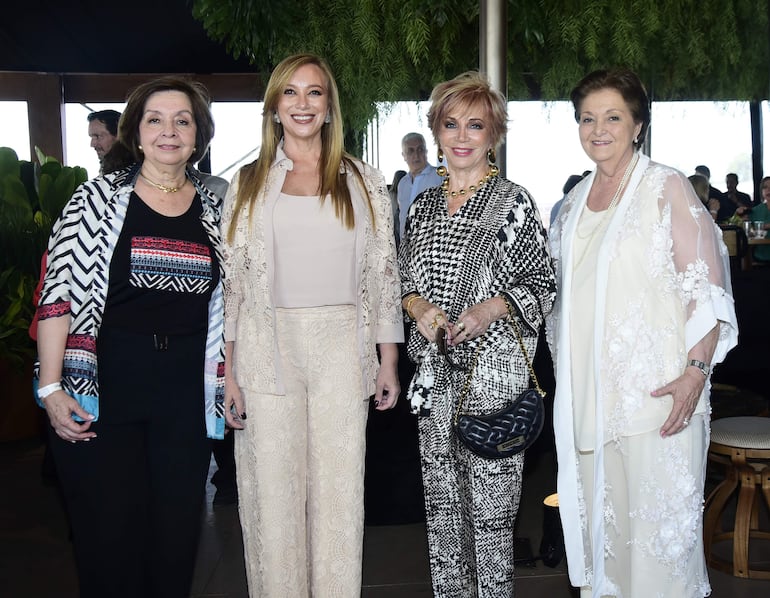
x=492 y=158
x=636 y=140
x=328 y=118
x=141 y=149
x=441 y=170
x=276 y=118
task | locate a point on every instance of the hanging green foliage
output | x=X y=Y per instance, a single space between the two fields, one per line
x=383 y=51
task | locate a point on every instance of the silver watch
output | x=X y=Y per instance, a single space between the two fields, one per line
x=704 y=369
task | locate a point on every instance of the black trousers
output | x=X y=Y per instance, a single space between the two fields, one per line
x=135 y=492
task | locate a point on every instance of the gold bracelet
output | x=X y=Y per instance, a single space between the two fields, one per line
x=409 y=302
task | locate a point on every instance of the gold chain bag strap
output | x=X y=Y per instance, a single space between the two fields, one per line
x=510 y=430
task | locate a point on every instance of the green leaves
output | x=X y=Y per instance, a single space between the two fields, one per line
x=384 y=51
x=31 y=198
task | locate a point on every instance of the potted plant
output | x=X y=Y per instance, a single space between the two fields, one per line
x=31 y=197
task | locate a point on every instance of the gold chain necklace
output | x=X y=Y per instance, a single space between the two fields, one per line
x=163 y=188
x=607 y=213
x=462 y=192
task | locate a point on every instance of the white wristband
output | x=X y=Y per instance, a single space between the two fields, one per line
x=48 y=389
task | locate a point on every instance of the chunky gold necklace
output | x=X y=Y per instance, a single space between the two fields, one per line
x=163 y=187
x=470 y=190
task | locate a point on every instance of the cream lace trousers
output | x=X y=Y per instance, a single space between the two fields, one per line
x=653 y=513
x=300 y=463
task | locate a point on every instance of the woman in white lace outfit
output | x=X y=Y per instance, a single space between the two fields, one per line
x=474 y=251
x=644 y=311
x=311 y=292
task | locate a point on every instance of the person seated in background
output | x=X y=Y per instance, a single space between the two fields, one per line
x=733 y=202
x=761 y=213
x=704 y=171
x=701 y=185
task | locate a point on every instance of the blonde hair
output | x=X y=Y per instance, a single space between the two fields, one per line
x=333 y=179
x=468 y=89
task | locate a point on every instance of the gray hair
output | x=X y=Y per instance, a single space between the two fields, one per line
x=411 y=137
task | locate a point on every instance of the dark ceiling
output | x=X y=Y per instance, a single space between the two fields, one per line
x=89 y=36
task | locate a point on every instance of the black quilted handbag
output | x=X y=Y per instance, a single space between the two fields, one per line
x=509 y=430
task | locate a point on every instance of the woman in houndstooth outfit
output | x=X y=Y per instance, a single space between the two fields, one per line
x=474 y=250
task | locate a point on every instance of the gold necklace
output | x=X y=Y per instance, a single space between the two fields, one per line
x=470 y=190
x=163 y=187
x=607 y=213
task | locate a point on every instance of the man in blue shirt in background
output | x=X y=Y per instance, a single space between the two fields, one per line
x=420 y=177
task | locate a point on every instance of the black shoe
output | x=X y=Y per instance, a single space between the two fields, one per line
x=227 y=495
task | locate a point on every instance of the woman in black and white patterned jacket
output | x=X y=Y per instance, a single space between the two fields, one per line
x=131 y=349
x=474 y=250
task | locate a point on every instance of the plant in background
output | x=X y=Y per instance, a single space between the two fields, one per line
x=31 y=197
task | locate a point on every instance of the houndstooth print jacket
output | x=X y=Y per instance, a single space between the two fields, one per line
x=494 y=245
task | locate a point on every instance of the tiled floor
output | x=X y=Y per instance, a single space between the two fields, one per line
x=36 y=559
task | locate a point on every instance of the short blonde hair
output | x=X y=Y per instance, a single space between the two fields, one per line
x=469 y=89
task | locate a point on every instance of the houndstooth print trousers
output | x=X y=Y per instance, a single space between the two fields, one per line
x=470 y=505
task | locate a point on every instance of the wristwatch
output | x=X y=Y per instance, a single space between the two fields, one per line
x=704 y=369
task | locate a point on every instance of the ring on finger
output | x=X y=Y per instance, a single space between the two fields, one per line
x=685 y=422
x=461 y=325
x=433 y=325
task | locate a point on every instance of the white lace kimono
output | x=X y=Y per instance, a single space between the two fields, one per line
x=661 y=283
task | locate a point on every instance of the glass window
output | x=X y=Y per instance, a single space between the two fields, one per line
x=77 y=144
x=14 y=128
x=237 y=136
x=543 y=150
x=715 y=134
x=396 y=120
x=765 y=112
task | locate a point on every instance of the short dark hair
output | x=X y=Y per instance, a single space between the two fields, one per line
x=109 y=118
x=704 y=170
x=128 y=129
x=571 y=181
x=627 y=83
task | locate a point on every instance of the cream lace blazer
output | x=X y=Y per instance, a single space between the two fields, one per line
x=249 y=274
x=662 y=283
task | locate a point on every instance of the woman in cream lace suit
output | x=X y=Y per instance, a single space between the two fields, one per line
x=311 y=293
x=644 y=310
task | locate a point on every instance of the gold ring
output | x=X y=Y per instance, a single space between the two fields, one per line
x=433 y=325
